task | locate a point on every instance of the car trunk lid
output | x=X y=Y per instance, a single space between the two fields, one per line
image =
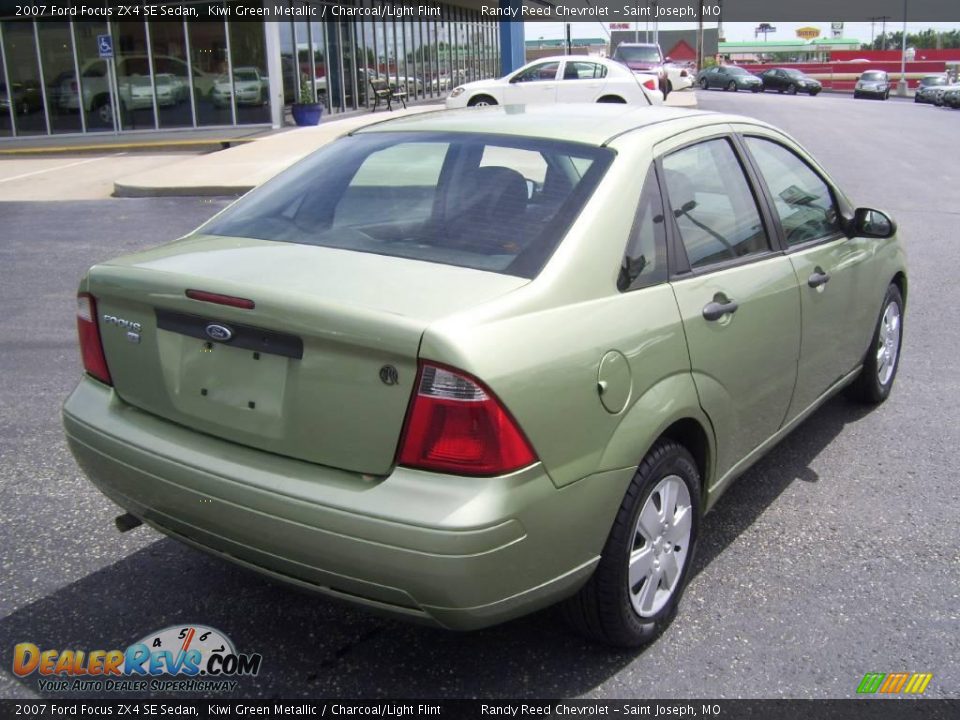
x=320 y=369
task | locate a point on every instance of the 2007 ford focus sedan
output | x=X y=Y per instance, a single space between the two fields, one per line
x=464 y=365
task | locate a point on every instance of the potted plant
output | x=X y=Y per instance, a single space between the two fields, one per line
x=308 y=110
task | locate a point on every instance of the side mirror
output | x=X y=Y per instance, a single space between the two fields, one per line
x=871 y=223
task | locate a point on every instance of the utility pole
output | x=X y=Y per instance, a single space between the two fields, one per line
x=902 y=85
x=569 y=42
x=720 y=21
x=700 y=41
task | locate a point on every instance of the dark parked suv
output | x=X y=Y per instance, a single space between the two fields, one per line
x=644 y=57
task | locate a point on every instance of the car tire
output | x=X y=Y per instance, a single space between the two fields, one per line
x=791 y=89
x=481 y=101
x=731 y=86
x=814 y=93
x=882 y=360
x=704 y=85
x=612 y=99
x=756 y=89
x=609 y=608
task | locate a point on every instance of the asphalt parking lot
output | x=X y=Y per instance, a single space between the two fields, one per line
x=837 y=555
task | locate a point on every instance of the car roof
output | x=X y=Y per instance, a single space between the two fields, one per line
x=593 y=124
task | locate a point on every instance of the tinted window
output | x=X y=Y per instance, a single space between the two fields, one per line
x=645 y=261
x=802 y=199
x=543 y=71
x=731 y=70
x=638 y=53
x=715 y=210
x=476 y=201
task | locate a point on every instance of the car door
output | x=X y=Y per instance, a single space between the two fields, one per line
x=534 y=85
x=581 y=81
x=711 y=76
x=736 y=291
x=832 y=270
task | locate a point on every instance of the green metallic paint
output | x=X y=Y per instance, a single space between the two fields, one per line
x=306 y=490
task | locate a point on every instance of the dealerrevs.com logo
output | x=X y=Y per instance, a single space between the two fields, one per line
x=180 y=658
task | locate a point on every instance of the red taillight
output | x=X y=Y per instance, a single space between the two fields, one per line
x=204 y=296
x=91 y=349
x=456 y=425
x=650 y=84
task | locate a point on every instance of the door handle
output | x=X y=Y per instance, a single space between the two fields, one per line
x=715 y=310
x=818 y=278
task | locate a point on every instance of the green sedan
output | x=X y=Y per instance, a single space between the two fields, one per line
x=464 y=365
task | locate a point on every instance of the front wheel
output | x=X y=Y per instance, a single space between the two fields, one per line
x=875 y=380
x=886 y=95
x=704 y=85
x=481 y=101
x=634 y=591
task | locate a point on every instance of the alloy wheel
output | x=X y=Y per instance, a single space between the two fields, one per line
x=888 y=343
x=660 y=547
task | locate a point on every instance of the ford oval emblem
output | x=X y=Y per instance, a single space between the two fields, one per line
x=220 y=333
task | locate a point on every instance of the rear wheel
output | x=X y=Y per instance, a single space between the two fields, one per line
x=875 y=380
x=732 y=86
x=634 y=592
x=791 y=89
x=481 y=101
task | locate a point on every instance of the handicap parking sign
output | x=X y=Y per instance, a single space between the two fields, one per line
x=105 y=46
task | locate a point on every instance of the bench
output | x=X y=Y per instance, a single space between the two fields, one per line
x=382 y=90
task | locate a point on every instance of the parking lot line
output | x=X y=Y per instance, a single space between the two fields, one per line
x=58 y=167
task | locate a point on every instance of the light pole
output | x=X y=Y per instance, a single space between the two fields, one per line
x=902 y=85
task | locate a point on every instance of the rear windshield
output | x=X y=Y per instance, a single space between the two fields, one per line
x=638 y=54
x=479 y=201
x=874 y=75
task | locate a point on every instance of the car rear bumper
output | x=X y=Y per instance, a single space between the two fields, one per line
x=457 y=552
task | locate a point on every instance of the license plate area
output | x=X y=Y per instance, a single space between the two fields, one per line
x=231 y=387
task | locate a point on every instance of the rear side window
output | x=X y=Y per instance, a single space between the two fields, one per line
x=645 y=261
x=479 y=201
x=582 y=70
x=802 y=199
x=714 y=208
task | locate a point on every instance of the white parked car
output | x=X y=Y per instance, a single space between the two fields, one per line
x=679 y=77
x=563 y=79
x=248 y=85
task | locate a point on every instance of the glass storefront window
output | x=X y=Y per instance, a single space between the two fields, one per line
x=171 y=74
x=134 y=79
x=59 y=75
x=180 y=74
x=94 y=85
x=251 y=86
x=211 y=80
x=6 y=109
x=24 y=94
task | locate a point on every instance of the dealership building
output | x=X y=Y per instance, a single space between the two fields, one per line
x=174 y=72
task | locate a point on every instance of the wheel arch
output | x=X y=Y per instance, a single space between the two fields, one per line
x=646 y=422
x=608 y=98
x=900 y=280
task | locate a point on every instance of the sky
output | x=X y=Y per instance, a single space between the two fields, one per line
x=733 y=31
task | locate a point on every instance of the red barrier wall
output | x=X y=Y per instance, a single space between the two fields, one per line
x=894 y=55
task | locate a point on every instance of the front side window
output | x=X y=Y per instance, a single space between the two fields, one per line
x=802 y=199
x=645 y=261
x=539 y=73
x=471 y=200
x=715 y=210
